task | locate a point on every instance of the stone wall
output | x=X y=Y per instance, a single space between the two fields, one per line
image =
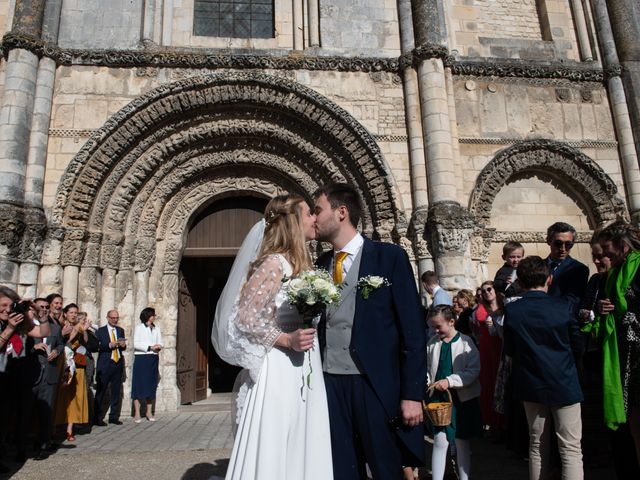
x=6 y=8
x=362 y=26
x=512 y=29
x=100 y=24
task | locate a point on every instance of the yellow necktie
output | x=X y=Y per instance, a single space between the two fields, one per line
x=115 y=354
x=337 y=269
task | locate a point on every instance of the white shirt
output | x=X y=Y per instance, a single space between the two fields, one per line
x=352 y=248
x=144 y=337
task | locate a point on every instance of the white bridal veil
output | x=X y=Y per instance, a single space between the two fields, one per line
x=230 y=344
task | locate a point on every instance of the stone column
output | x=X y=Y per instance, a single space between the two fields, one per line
x=15 y=123
x=167 y=23
x=141 y=292
x=39 y=137
x=625 y=23
x=619 y=105
x=168 y=393
x=417 y=163
x=88 y=291
x=108 y=294
x=70 y=284
x=313 y=15
x=580 y=20
x=449 y=224
x=298 y=25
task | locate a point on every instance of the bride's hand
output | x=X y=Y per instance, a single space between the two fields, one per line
x=301 y=340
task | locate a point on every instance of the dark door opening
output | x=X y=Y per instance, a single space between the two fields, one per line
x=214 y=239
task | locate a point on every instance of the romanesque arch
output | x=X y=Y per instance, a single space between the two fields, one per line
x=572 y=168
x=125 y=201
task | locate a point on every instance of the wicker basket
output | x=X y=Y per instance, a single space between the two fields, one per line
x=439 y=413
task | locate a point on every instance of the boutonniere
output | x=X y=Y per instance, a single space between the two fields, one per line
x=370 y=283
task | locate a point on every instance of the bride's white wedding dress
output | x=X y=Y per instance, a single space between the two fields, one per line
x=283 y=430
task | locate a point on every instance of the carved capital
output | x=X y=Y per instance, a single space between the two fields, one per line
x=145 y=253
x=418 y=234
x=450 y=226
x=12 y=228
x=73 y=247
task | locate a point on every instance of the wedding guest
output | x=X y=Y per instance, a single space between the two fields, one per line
x=506 y=277
x=48 y=350
x=538 y=330
x=110 y=368
x=147 y=343
x=618 y=329
x=438 y=295
x=19 y=365
x=463 y=304
x=453 y=364
x=73 y=403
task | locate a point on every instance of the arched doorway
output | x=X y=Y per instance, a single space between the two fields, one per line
x=212 y=243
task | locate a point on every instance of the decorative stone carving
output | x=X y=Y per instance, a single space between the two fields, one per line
x=510 y=141
x=212 y=59
x=577 y=170
x=12 y=228
x=34 y=235
x=449 y=226
x=481 y=244
x=108 y=171
x=195 y=58
x=534 y=237
x=418 y=234
x=576 y=72
x=72 y=247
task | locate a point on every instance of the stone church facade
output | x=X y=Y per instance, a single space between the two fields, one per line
x=462 y=124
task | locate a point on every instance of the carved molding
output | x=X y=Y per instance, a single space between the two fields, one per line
x=185 y=58
x=243 y=125
x=576 y=170
x=535 y=237
x=510 y=141
x=149 y=60
x=577 y=72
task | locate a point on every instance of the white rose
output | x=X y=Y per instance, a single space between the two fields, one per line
x=296 y=285
x=321 y=285
x=375 y=281
x=311 y=300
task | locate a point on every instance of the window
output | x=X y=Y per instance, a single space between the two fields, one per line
x=233 y=18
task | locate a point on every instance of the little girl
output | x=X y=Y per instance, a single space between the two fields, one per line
x=453 y=362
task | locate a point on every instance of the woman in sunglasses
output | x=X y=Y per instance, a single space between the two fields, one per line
x=487 y=325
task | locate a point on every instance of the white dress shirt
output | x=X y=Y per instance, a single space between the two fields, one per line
x=352 y=248
x=144 y=337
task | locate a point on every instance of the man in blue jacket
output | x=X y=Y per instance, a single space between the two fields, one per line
x=109 y=368
x=373 y=345
x=538 y=332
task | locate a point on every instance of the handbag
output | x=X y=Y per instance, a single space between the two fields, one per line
x=80 y=360
x=502 y=378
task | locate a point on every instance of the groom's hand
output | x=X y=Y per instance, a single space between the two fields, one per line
x=411 y=412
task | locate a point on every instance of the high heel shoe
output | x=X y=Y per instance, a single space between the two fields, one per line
x=70 y=437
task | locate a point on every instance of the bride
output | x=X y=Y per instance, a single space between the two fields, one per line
x=282 y=423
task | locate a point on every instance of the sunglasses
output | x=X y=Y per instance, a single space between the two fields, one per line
x=487 y=290
x=560 y=244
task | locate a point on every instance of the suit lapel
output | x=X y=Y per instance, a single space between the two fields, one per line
x=367 y=267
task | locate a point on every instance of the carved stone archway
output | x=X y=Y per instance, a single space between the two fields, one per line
x=124 y=204
x=579 y=173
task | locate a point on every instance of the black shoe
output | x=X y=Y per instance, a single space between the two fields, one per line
x=21 y=456
x=4 y=468
x=100 y=423
x=115 y=422
x=42 y=453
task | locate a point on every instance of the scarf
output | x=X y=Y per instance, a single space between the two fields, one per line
x=618 y=281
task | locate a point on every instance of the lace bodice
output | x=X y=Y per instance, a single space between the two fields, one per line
x=263 y=313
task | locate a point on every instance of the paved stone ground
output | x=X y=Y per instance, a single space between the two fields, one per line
x=195 y=445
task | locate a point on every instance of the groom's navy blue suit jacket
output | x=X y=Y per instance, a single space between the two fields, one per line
x=388 y=339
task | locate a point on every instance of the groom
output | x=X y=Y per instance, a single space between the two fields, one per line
x=373 y=349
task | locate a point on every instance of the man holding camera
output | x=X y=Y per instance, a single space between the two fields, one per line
x=110 y=368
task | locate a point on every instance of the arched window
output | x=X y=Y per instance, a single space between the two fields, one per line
x=233 y=18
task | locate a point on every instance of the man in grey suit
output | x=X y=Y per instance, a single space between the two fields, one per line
x=439 y=296
x=48 y=351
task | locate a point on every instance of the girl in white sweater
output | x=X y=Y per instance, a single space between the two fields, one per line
x=453 y=362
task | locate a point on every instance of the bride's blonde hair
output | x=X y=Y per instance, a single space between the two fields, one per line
x=283 y=232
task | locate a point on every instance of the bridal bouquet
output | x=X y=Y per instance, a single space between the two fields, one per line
x=310 y=292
